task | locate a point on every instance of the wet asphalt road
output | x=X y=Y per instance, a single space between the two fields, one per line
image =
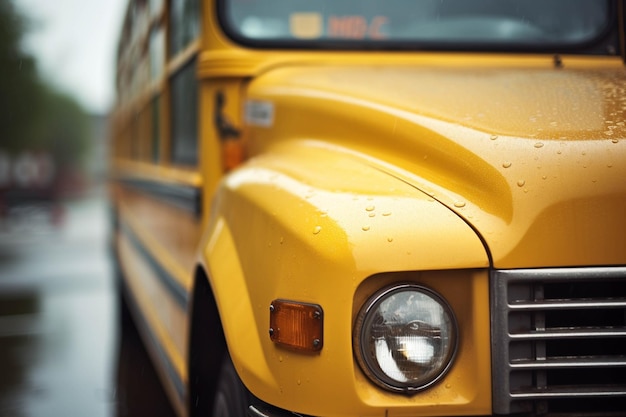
x=64 y=351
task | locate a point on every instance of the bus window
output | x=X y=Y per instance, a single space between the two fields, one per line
x=184 y=116
x=184 y=24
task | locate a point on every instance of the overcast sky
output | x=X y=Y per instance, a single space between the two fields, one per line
x=74 y=44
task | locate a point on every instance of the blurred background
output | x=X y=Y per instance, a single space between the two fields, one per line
x=64 y=349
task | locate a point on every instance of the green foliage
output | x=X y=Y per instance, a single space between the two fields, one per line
x=19 y=86
x=62 y=128
x=33 y=115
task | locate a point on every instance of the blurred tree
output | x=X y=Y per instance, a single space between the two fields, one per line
x=34 y=115
x=62 y=129
x=19 y=86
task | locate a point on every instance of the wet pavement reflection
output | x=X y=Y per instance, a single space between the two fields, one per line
x=67 y=347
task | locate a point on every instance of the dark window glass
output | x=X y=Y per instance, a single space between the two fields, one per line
x=184 y=111
x=156 y=7
x=157 y=53
x=184 y=24
x=534 y=23
x=156 y=128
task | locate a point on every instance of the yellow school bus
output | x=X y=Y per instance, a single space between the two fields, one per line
x=375 y=208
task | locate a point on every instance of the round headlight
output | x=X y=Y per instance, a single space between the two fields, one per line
x=405 y=338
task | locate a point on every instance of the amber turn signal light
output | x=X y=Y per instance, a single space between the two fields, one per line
x=297 y=325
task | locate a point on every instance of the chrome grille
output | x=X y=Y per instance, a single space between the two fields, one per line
x=559 y=341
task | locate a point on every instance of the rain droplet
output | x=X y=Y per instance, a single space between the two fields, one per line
x=387 y=213
x=521 y=183
x=372 y=214
x=559 y=152
x=299 y=382
x=317 y=230
x=538 y=145
x=615 y=141
x=282 y=240
x=389 y=239
x=280 y=359
x=506 y=164
x=365 y=228
x=370 y=208
x=459 y=204
x=544 y=177
x=494 y=137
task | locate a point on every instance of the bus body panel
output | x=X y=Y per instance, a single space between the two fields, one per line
x=350 y=226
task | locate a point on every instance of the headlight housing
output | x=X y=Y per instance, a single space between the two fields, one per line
x=405 y=338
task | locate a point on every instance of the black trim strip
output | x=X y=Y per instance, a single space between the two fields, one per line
x=186 y=197
x=177 y=291
x=154 y=341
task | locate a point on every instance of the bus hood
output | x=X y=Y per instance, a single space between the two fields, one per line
x=532 y=157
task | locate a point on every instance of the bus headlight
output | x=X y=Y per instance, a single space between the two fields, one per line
x=405 y=338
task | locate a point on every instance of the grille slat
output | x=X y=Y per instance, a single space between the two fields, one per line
x=567 y=304
x=568 y=392
x=570 y=333
x=588 y=392
x=569 y=363
x=559 y=341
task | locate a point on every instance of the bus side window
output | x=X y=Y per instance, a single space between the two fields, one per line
x=184 y=24
x=155 y=106
x=184 y=115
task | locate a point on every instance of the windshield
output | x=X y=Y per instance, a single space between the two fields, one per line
x=452 y=23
